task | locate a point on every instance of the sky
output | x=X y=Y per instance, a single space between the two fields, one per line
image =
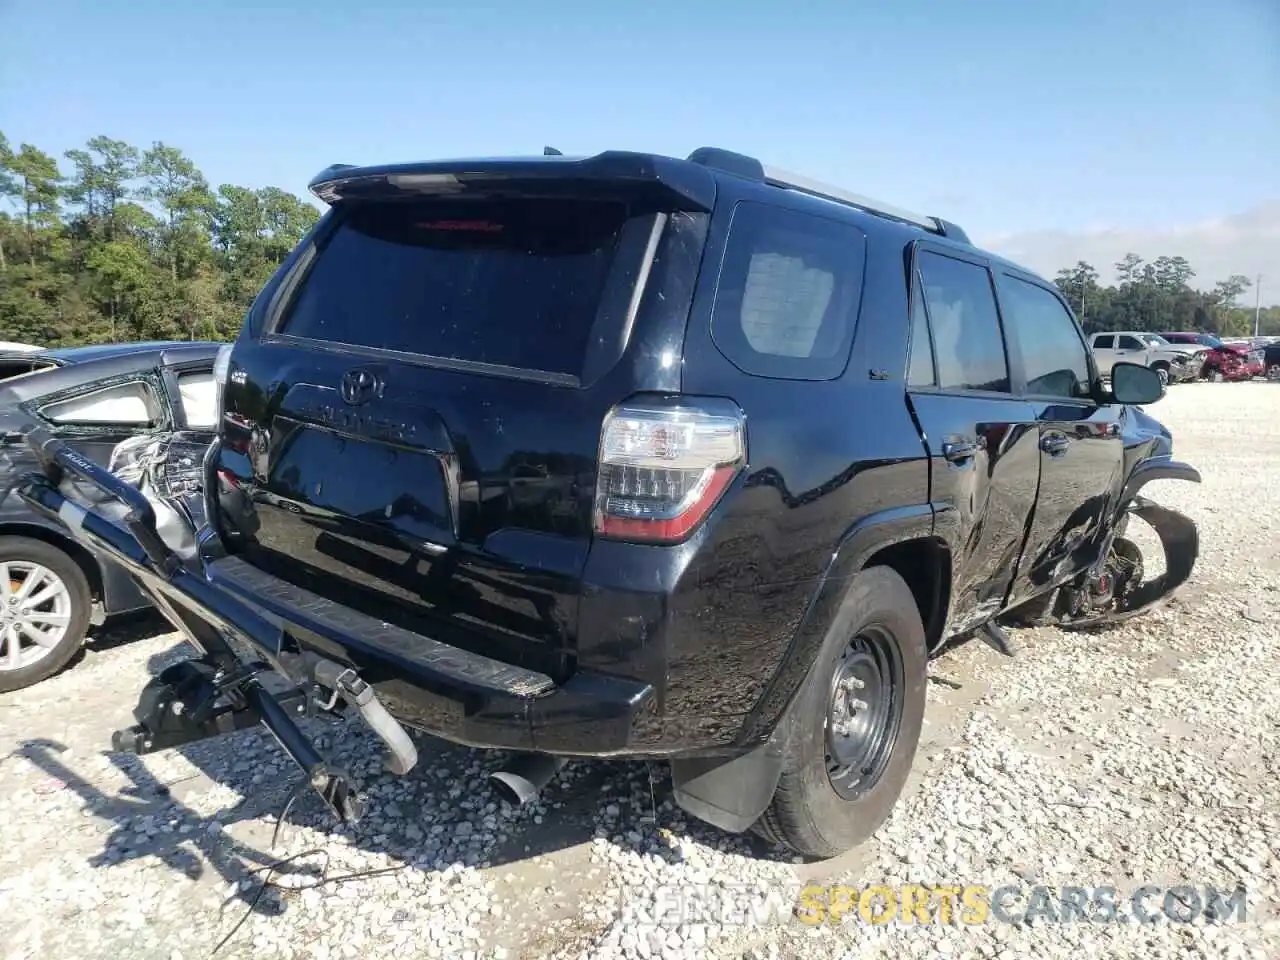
x=1052 y=131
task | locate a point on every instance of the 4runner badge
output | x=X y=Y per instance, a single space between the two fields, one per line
x=360 y=386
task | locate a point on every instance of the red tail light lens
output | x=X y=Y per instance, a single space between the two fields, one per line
x=662 y=469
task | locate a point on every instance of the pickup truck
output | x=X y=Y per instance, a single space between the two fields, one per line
x=1173 y=363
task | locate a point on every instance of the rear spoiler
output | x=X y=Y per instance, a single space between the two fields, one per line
x=673 y=183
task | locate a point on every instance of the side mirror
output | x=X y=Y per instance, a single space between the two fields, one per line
x=1134 y=383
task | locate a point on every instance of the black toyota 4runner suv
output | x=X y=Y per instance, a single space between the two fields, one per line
x=633 y=456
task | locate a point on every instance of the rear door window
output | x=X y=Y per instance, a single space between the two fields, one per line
x=514 y=282
x=787 y=297
x=921 y=371
x=967 y=338
x=128 y=404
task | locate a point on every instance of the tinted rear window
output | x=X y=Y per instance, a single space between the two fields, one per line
x=510 y=282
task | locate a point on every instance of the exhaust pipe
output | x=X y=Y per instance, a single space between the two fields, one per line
x=523 y=778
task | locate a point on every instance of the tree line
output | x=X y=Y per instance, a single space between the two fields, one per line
x=1159 y=295
x=120 y=243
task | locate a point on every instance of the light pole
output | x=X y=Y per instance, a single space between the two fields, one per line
x=1257 y=304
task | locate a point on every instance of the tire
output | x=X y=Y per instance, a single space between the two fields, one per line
x=1217 y=376
x=808 y=814
x=1162 y=370
x=1273 y=372
x=21 y=558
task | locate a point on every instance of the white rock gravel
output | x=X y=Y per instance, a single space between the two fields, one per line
x=1148 y=754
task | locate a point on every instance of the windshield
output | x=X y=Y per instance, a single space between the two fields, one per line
x=1156 y=339
x=1209 y=340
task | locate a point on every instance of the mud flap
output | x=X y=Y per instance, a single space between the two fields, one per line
x=728 y=793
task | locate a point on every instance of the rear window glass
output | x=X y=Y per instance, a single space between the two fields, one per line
x=788 y=293
x=510 y=282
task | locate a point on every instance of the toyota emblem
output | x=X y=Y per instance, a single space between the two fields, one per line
x=360 y=386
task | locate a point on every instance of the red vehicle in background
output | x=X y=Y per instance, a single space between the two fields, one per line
x=1225 y=361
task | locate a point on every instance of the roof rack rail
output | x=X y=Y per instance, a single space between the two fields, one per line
x=745 y=166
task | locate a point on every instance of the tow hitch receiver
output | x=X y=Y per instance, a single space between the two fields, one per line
x=196 y=699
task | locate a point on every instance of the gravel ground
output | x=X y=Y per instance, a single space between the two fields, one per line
x=1147 y=754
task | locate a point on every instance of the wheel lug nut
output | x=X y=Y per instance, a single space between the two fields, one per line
x=857 y=705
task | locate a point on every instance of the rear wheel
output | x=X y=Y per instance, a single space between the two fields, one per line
x=853 y=728
x=44 y=611
x=1273 y=372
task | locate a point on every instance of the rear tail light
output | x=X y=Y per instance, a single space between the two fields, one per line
x=663 y=468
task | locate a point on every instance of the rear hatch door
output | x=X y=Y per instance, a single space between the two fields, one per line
x=416 y=424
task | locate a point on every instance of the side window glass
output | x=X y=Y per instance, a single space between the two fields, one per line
x=787 y=297
x=968 y=344
x=921 y=371
x=1103 y=343
x=199 y=399
x=1130 y=343
x=1053 y=354
x=129 y=404
x=12 y=368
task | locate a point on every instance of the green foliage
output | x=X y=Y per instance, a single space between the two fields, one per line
x=132 y=244
x=1159 y=296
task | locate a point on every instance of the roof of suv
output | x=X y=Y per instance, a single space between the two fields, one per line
x=692 y=180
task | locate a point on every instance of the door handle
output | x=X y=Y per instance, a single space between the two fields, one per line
x=1055 y=444
x=957 y=451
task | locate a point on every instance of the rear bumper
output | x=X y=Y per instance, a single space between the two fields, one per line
x=456 y=694
x=453 y=693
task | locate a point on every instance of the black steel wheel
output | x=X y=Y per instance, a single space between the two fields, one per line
x=864 y=713
x=852 y=729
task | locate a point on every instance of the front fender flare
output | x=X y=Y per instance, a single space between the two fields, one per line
x=1156 y=468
